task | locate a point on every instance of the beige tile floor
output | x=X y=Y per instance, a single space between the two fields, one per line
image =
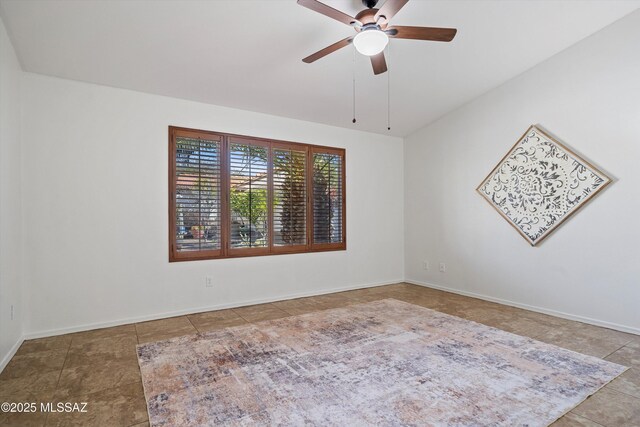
x=100 y=366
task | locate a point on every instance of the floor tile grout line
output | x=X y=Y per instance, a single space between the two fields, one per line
x=619 y=348
x=582 y=416
x=135 y=328
x=66 y=356
x=593 y=421
x=618 y=391
x=625 y=393
x=537 y=338
x=69 y=397
x=243 y=318
x=194 y=326
x=288 y=312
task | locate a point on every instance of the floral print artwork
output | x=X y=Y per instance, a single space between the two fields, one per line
x=539 y=184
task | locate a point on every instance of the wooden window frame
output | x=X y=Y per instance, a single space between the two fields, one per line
x=225 y=250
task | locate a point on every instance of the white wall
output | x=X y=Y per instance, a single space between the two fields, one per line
x=10 y=200
x=95 y=203
x=589 y=97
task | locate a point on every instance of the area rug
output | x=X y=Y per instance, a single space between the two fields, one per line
x=381 y=363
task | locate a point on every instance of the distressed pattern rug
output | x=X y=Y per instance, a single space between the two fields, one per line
x=381 y=363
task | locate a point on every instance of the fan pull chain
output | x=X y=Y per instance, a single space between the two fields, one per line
x=354 y=84
x=389 y=86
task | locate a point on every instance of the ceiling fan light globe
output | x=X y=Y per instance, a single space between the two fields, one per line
x=370 y=42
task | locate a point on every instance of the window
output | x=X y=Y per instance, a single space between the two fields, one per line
x=232 y=195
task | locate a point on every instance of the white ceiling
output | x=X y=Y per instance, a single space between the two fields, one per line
x=247 y=54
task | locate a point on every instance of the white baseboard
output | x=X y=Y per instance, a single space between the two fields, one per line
x=12 y=351
x=156 y=316
x=583 y=319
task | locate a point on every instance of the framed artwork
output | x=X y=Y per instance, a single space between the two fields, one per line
x=539 y=184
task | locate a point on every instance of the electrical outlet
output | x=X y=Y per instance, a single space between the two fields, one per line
x=443 y=267
x=425 y=265
x=208 y=282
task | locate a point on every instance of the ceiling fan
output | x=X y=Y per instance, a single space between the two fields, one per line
x=373 y=30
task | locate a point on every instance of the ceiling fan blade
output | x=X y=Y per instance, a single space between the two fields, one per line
x=422 y=33
x=322 y=8
x=379 y=63
x=327 y=50
x=389 y=9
